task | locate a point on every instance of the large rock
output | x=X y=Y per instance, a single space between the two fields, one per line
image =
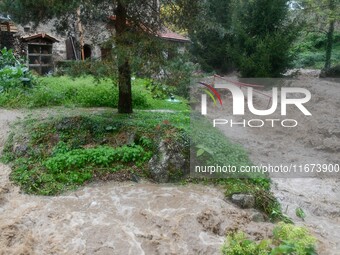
x=243 y=200
x=257 y=216
x=333 y=72
x=168 y=163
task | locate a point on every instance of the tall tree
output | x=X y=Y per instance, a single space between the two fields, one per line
x=134 y=20
x=263 y=35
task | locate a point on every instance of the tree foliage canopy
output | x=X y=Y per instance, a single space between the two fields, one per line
x=253 y=36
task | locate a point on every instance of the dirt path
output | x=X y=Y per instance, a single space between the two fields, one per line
x=116 y=218
x=315 y=140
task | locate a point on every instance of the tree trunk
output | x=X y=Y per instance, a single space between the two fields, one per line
x=330 y=35
x=124 y=69
x=81 y=35
x=125 y=94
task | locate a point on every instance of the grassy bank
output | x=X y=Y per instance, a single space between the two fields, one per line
x=60 y=153
x=84 y=92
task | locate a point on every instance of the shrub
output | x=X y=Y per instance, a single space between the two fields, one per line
x=238 y=244
x=13 y=72
x=287 y=239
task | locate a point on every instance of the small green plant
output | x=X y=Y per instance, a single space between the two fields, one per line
x=158 y=90
x=13 y=72
x=202 y=149
x=287 y=239
x=300 y=213
x=238 y=244
x=96 y=157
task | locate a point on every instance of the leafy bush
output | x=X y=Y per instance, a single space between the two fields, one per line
x=158 y=90
x=69 y=168
x=287 y=239
x=238 y=244
x=13 y=72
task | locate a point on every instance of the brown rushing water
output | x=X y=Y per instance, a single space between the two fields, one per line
x=117 y=218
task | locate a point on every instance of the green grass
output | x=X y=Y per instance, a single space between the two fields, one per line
x=83 y=92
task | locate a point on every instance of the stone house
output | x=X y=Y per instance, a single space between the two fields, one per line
x=44 y=47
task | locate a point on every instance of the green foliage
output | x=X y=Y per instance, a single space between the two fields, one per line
x=238 y=244
x=158 y=90
x=300 y=213
x=290 y=239
x=13 y=73
x=178 y=75
x=66 y=152
x=7 y=58
x=97 y=157
x=212 y=35
x=100 y=69
x=84 y=92
x=263 y=36
x=218 y=149
x=68 y=169
x=287 y=239
x=310 y=50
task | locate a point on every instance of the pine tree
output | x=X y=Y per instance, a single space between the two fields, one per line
x=263 y=36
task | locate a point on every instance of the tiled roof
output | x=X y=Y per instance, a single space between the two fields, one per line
x=42 y=35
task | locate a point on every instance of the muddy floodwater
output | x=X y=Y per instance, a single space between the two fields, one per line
x=117 y=218
x=121 y=218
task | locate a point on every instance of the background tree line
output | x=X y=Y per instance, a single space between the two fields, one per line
x=264 y=38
